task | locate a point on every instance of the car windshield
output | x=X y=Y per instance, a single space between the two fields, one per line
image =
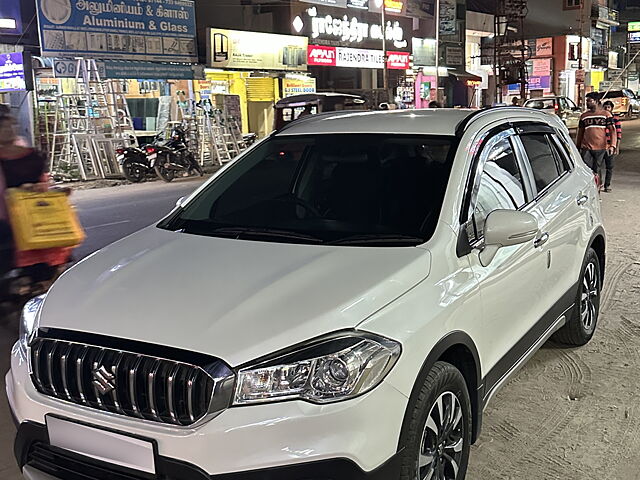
x=541 y=104
x=344 y=189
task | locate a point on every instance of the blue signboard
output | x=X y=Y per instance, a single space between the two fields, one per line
x=147 y=30
x=10 y=17
x=12 y=77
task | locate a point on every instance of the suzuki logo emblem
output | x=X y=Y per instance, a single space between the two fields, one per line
x=103 y=381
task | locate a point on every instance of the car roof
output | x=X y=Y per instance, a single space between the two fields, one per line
x=441 y=121
x=432 y=121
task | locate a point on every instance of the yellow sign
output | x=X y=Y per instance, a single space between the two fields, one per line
x=393 y=6
x=298 y=86
x=256 y=51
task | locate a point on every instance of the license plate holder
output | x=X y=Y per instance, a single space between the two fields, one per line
x=101 y=444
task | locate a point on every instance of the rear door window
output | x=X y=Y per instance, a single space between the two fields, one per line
x=541 y=158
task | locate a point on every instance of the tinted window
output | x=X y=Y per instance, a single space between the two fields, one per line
x=501 y=184
x=541 y=158
x=570 y=103
x=542 y=104
x=327 y=188
x=564 y=164
x=563 y=103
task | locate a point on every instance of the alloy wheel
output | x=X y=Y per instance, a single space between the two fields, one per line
x=442 y=441
x=590 y=298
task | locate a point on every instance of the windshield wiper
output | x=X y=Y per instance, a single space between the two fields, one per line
x=378 y=239
x=256 y=232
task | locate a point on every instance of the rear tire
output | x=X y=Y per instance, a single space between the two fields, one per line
x=133 y=173
x=162 y=172
x=583 y=320
x=437 y=437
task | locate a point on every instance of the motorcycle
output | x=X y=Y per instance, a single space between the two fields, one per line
x=134 y=163
x=249 y=139
x=173 y=157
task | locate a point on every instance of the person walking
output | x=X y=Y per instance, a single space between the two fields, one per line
x=596 y=136
x=609 y=158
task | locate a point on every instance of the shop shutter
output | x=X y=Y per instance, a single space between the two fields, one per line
x=260 y=89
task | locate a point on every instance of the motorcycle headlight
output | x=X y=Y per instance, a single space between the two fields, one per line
x=327 y=371
x=29 y=321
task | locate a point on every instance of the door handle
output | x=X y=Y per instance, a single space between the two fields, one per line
x=541 y=240
x=582 y=199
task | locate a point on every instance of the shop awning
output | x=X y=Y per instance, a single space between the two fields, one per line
x=464 y=76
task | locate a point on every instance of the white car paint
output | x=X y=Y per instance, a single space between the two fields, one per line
x=239 y=300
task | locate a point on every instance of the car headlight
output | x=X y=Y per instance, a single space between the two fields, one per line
x=29 y=321
x=336 y=368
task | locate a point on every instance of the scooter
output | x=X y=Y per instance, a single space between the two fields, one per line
x=173 y=157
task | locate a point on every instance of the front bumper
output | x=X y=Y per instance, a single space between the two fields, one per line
x=355 y=439
x=40 y=461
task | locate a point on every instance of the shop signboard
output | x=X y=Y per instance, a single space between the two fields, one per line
x=333 y=3
x=633 y=27
x=15 y=73
x=398 y=60
x=634 y=37
x=66 y=68
x=454 y=56
x=162 y=30
x=448 y=17
x=115 y=70
x=320 y=55
x=541 y=67
x=424 y=52
x=349 y=29
x=252 y=50
x=359 y=4
x=544 y=47
x=359 y=58
x=537 y=83
x=10 y=17
x=298 y=86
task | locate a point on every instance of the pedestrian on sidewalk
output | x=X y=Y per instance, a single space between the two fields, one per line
x=596 y=135
x=609 y=158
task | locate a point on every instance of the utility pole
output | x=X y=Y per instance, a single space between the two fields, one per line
x=437 y=18
x=580 y=66
x=385 y=71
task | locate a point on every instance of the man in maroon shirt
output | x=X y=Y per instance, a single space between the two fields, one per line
x=596 y=135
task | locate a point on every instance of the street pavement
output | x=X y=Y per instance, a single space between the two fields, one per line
x=109 y=214
x=506 y=450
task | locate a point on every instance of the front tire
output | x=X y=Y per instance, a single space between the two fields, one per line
x=583 y=320
x=437 y=436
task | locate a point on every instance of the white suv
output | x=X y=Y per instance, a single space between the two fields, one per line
x=339 y=303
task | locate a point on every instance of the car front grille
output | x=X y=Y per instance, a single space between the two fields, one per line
x=136 y=385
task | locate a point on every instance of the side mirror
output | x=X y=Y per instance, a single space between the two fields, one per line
x=180 y=201
x=504 y=228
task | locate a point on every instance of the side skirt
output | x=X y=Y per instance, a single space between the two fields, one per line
x=515 y=359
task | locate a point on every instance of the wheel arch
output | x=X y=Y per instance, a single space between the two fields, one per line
x=599 y=243
x=458 y=349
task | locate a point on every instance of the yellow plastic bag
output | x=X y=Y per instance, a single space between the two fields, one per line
x=43 y=220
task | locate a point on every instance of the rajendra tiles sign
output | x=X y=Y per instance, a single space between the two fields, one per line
x=253 y=50
x=347 y=28
x=153 y=30
x=319 y=55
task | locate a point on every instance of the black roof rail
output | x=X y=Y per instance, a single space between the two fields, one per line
x=462 y=126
